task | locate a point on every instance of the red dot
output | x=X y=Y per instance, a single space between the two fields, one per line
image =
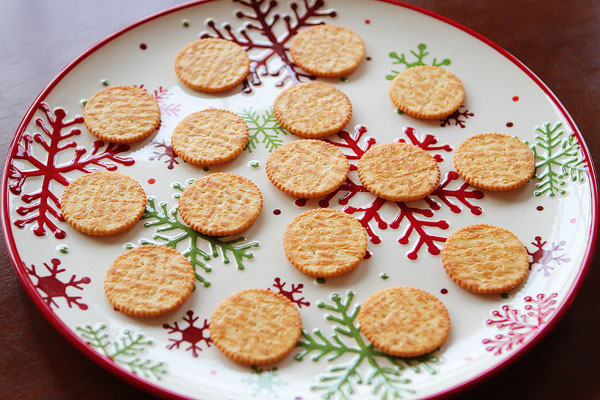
x=444 y=291
x=368 y=255
x=151 y=181
x=509 y=124
x=277 y=211
x=516 y=98
x=367 y=21
x=539 y=208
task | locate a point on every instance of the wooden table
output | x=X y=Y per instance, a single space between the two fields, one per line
x=558 y=40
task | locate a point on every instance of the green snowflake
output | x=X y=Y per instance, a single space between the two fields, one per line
x=419 y=60
x=384 y=370
x=266 y=381
x=557 y=157
x=123 y=351
x=263 y=126
x=168 y=221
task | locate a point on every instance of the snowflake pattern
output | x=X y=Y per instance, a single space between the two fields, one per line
x=417 y=221
x=164 y=150
x=260 y=40
x=546 y=258
x=43 y=207
x=191 y=334
x=265 y=127
x=264 y=381
x=521 y=325
x=53 y=287
x=419 y=59
x=163 y=220
x=162 y=96
x=458 y=117
x=557 y=158
x=290 y=294
x=384 y=371
x=124 y=350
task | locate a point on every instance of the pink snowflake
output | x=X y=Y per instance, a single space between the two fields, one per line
x=44 y=203
x=167 y=152
x=416 y=220
x=290 y=294
x=259 y=38
x=458 y=117
x=547 y=257
x=521 y=325
x=53 y=287
x=162 y=96
x=191 y=334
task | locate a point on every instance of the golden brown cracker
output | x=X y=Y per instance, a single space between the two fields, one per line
x=149 y=280
x=427 y=92
x=212 y=65
x=307 y=168
x=220 y=204
x=103 y=203
x=210 y=137
x=398 y=172
x=312 y=109
x=122 y=114
x=325 y=242
x=255 y=326
x=484 y=258
x=404 y=321
x=327 y=50
x=494 y=161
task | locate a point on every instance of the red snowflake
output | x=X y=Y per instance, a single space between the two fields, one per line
x=546 y=257
x=259 y=38
x=43 y=202
x=296 y=289
x=162 y=96
x=521 y=325
x=167 y=152
x=417 y=221
x=191 y=334
x=426 y=142
x=458 y=117
x=53 y=287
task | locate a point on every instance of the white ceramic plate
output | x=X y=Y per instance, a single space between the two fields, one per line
x=63 y=270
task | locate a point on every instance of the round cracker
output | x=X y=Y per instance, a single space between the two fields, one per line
x=149 y=280
x=255 y=326
x=404 y=321
x=307 y=168
x=122 y=114
x=312 y=109
x=327 y=50
x=103 y=203
x=212 y=65
x=427 y=92
x=325 y=242
x=220 y=204
x=485 y=259
x=398 y=172
x=210 y=137
x=494 y=161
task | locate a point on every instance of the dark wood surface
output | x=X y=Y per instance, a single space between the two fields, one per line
x=559 y=40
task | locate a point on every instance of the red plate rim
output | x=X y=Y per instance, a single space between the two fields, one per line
x=165 y=393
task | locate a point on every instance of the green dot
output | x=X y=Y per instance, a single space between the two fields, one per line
x=128 y=246
x=254 y=164
x=505 y=295
x=63 y=249
x=104 y=82
x=399 y=111
x=344 y=79
x=205 y=169
x=185 y=23
x=83 y=102
x=384 y=275
x=320 y=281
